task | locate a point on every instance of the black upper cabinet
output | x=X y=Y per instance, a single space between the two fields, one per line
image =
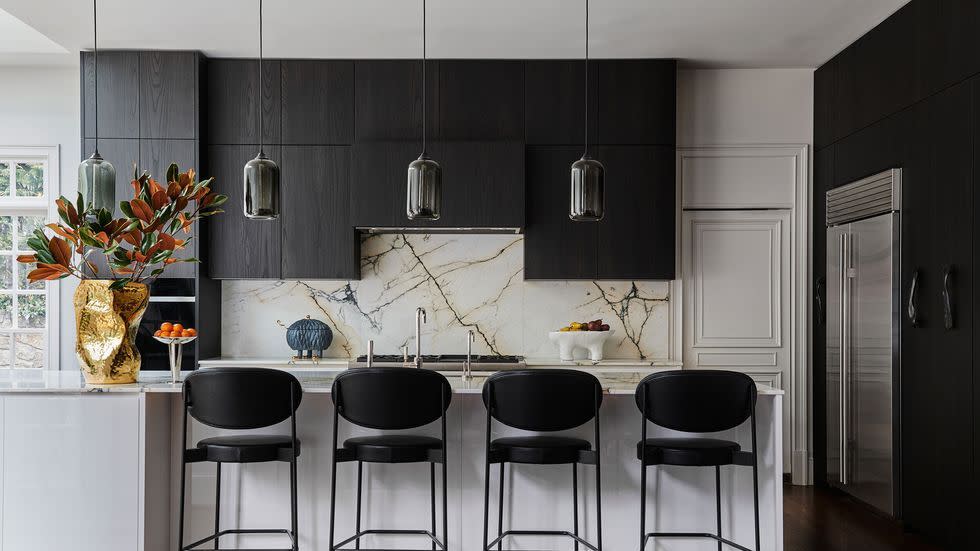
x=239 y=248
x=378 y=183
x=554 y=102
x=119 y=88
x=317 y=102
x=947 y=43
x=168 y=94
x=555 y=247
x=388 y=100
x=481 y=100
x=825 y=105
x=318 y=239
x=637 y=101
x=637 y=235
x=233 y=101
x=881 y=146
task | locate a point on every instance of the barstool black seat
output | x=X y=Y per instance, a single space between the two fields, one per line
x=542 y=400
x=245 y=448
x=538 y=450
x=235 y=398
x=394 y=448
x=391 y=398
x=694 y=452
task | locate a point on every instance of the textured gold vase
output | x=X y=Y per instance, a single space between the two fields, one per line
x=106 y=322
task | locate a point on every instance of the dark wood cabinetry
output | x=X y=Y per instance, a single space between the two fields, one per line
x=168 y=94
x=317 y=102
x=636 y=101
x=554 y=100
x=318 y=239
x=481 y=100
x=388 y=100
x=119 y=87
x=232 y=105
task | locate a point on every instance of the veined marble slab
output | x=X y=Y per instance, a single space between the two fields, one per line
x=465 y=282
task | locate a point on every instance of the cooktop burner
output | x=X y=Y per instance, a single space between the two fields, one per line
x=447 y=358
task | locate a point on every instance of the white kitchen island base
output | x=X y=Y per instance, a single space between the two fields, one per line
x=85 y=469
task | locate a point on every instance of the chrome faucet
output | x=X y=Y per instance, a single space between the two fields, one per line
x=419 y=320
x=468 y=367
x=370 y=354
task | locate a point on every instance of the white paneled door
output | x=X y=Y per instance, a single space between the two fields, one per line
x=737 y=295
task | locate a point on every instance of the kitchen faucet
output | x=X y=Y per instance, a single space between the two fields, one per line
x=419 y=320
x=468 y=367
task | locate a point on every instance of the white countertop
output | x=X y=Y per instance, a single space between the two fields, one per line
x=339 y=364
x=313 y=381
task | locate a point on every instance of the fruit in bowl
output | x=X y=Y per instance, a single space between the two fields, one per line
x=594 y=325
x=169 y=330
x=589 y=336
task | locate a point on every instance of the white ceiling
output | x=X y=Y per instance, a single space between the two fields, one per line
x=709 y=33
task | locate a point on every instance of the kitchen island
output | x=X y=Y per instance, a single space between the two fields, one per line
x=104 y=461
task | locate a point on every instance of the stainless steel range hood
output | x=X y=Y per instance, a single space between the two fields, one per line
x=418 y=229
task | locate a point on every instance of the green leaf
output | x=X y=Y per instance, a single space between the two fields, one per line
x=126 y=209
x=44 y=256
x=172 y=173
x=119 y=283
x=104 y=216
x=156 y=272
x=218 y=200
x=80 y=204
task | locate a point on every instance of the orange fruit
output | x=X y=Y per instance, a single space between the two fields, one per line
x=157 y=333
x=177 y=328
x=191 y=332
x=165 y=333
x=166 y=326
x=186 y=333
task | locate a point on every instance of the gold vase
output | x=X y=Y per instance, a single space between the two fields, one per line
x=106 y=322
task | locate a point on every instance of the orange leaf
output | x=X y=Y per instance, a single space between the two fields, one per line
x=123 y=270
x=160 y=199
x=136 y=187
x=141 y=210
x=56 y=267
x=39 y=274
x=170 y=260
x=133 y=238
x=140 y=257
x=60 y=250
x=173 y=190
x=167 y=242
x=102 y=237
x=27 y=258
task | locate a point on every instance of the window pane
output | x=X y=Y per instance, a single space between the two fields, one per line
x=6 y=272
x=6 y=311
x=6 y=234
x=29 y=350
x=25 y=227
x=31 y=311
x=4 y=350
x=22 y=281
x=4 y=178
x=30 y=179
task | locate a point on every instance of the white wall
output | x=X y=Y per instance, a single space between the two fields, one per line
x=40 y=106
x=744 y=106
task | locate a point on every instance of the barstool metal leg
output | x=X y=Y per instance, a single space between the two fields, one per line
x=333 y=484
x=432 y=500
x=500 y=507
x=643 y=504
x=357 y=521
x=217 y=502
x=755 y=479
x=575 y=501
x=294 y=501
x=718 y=501
x=183 y=480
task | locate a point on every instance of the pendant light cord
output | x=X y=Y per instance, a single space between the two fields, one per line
x=586 y=153
x=95 y=56
x=424 y=116
x=261 y=83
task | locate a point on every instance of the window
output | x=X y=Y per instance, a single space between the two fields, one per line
x=28 y=311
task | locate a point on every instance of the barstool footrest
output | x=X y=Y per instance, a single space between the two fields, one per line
x=390 y=532
x=565 y=533
x=646 y=538
x=243 y=531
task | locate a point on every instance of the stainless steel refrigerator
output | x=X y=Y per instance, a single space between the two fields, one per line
x=863 y=259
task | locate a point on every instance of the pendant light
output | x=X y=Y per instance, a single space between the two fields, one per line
x=261 y=173
x=97 y=176
x=588 y=175
x=424 y=174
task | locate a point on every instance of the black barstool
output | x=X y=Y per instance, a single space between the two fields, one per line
x=391 y=398
x=696 y=401
x=241 y=399
x=542 y=400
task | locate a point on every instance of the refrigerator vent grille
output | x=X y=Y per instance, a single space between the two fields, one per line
x=864 y=198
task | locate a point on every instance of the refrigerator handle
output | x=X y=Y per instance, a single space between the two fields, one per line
x=844 y=322
x=820 y=289
x=947 y=297
x=913 y=308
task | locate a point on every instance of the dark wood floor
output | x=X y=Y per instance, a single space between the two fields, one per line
x=819 y=519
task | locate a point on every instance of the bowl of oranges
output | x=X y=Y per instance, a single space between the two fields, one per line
x=174 y=333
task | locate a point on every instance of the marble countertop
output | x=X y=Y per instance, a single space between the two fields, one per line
x=339 y=364
x=313 y=381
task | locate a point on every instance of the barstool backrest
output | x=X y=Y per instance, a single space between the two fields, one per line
x=542 y=400
x=241 y=397
x=391 y=398
x=697 y=400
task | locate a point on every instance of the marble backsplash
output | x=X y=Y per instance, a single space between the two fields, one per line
x=464 y=282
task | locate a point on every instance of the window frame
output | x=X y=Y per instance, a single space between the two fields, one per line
x=45 y=206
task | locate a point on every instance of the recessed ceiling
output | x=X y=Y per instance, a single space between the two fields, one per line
x=709 y=33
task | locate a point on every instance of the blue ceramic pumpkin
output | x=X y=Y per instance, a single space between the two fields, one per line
x=309 y=337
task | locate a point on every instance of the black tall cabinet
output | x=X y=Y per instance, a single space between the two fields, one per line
x=906 y=95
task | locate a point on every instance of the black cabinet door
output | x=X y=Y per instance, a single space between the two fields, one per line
x=554 y=102
x=637 y=101
x=823 y=172
x=119 y=88
x=239 y=248
x=482 y=184
x=317 y=102
x=168 y=94
x=636 y=237
x=554 y=246
x=155 y=158
x=481 y=100
x=232 y=100
x=947 y=43
x=825 y=105
x=379 y=172
x=388 y=100
x=878 y=147
x=318 y=239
